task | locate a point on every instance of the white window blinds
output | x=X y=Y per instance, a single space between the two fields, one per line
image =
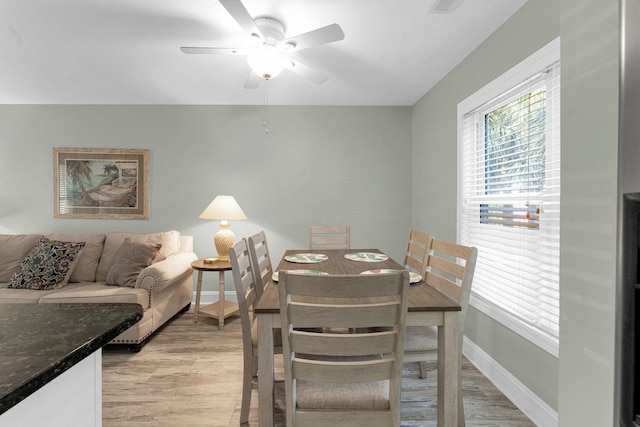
x=510 y=201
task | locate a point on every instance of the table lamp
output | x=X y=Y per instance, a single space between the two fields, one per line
x=224 y=209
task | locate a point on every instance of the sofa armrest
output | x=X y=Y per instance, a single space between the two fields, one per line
x=165 y=272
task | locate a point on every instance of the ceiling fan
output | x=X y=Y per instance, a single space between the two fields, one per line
x=267 y=53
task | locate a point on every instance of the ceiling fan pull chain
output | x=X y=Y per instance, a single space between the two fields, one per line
x=265 y=124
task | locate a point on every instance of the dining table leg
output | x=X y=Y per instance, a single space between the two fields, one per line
x=265 y=370
x=448 y=370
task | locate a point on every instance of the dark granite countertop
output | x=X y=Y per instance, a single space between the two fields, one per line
x=38 y=342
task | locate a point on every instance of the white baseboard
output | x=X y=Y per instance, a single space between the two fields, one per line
x=538 y=411
x=208 y=297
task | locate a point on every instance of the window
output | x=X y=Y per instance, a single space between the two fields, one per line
x=509 y=191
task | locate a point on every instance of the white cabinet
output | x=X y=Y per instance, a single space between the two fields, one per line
x=73 y=399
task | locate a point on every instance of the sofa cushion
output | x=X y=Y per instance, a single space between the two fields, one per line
x=87 y=264
x=97 y=292
x=10 y=295
x=13 y=250
x=170 y=241
x=48 y=265
x=130 y=260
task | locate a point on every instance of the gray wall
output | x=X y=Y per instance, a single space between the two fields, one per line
x=590 y=49
x=579 y=384
x=318 y=165
x=630 y=104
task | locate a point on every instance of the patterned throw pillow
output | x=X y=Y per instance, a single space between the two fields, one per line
x=48 y=265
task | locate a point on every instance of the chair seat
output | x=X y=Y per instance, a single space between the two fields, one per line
x=336 y=396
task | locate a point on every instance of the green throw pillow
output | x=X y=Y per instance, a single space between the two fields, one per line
x=48 y=266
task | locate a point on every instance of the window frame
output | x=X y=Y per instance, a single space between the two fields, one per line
x=520 y=73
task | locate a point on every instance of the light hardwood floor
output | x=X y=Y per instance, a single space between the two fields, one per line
x=191 y=374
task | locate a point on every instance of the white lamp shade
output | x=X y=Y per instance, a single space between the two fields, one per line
x=223 y=208
x=266 y=63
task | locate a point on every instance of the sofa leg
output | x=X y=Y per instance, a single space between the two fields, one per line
x=185 y=308
x=135 y=348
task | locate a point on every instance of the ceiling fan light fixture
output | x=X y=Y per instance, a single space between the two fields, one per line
x=266 y=63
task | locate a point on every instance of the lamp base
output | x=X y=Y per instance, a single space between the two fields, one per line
x=223 y=240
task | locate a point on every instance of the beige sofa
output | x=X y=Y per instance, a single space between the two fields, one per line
x=163 y=288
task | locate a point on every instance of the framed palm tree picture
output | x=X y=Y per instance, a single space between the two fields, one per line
x=101 y=183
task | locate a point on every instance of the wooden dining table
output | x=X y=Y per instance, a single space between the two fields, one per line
x=427 y=307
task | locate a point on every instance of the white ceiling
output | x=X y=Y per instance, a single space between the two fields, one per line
x=128 y=51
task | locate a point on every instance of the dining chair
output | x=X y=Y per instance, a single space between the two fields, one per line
x=260 y=261
x=417 y=252
x=246 y=285
x=330 y=237
x=415 y=260
x=334 y=379
x=450 y=268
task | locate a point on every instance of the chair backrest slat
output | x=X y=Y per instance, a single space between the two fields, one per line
x=336 y=345
x=414 y=265
x=373 y=370
x=329 y=237
x=445 y=285
x=350 y=315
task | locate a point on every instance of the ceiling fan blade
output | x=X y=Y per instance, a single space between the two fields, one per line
x=253 y=80
x=305 y=71
x=237 y=10
x=213 y=50
x=330 y=33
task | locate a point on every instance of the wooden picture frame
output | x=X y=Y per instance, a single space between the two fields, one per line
x=101 y=183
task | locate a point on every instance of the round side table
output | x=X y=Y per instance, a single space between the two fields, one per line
x=220 y=309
